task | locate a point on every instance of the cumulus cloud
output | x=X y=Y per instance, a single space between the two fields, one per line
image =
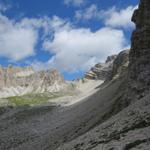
x=16 y=42
x=119 y=18
x=112 y=17
x=80 y=48
x=74 y=2
x=19 y=39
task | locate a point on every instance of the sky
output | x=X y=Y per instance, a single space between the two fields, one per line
x=68 y=35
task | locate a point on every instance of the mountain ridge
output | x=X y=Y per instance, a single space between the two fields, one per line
x=17 y=81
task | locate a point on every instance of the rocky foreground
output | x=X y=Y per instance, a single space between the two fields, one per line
x=115 y=117
x=130 y=128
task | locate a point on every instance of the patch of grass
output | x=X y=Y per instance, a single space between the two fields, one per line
x=32 y=99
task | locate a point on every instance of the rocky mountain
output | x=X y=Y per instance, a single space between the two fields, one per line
x=19 y=81
x=13 y=76
x=113 y=67
x=116 y=116
x=139 y=67
x=120 y=64
x=101 y=71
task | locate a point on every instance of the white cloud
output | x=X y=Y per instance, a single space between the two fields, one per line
x=74 y=2
x=89 y=13
x=80 y=48
x=16 y=42
x=112 y=17
x=119 y=18
x=18 y=39
x=73 y=48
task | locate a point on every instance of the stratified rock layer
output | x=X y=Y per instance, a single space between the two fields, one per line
x=120 y=64
x=112 y=68
x=101 y=71
x=139 y=67
x=22 y=80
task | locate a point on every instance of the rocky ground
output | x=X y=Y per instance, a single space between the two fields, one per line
x=128 y=130
x=42 y=127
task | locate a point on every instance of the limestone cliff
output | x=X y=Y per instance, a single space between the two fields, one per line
x=120 y=64
x=101 y=71
x=139 y=67
x=22 y=80
x=113 y=67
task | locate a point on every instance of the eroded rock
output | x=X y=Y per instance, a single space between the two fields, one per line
x=139 y=67
x=101 y=71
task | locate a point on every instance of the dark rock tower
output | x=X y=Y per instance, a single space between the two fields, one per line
x=139 y=67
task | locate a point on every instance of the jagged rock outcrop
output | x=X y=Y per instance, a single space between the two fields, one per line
x=48 y=81
x=22 y=80
x=101 y=71
x=139 y=67
x=14 y=76
x=120 y=64
x=114 y=66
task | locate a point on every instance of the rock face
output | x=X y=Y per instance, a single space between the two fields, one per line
x=15 y=76
x=120 y=63
x=101 y=71
x=112 y=68
x=18 y=81
x=139 y=67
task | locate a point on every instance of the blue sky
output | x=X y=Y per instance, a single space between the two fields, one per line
x=70 y=35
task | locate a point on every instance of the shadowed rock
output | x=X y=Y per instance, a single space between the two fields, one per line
x=139 y=67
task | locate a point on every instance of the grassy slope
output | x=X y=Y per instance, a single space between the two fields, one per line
x=30 y=99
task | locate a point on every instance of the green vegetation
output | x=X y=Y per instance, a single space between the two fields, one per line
x=32 y=99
